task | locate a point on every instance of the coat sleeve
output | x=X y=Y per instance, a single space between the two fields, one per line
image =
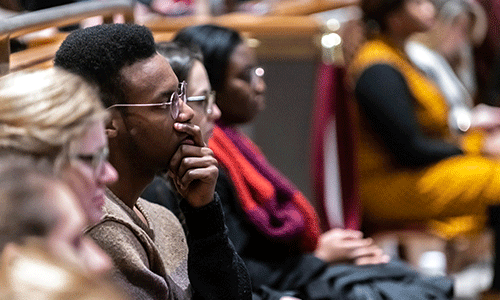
x=215 y=270
x=132 y=272
x=384 y=96
x=272 y=277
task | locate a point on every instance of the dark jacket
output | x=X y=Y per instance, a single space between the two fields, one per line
x=215 y=269
x=278 y=270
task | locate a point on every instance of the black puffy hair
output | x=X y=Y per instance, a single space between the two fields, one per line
x=98 y=54
x=217 y=44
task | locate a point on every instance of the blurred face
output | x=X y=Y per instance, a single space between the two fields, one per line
x=148 y=132
x=414 y=16
x=199 y=85
x=419 y=14
x=89 y=171
x=66 y=239
x=454 y=35
x=243 y=95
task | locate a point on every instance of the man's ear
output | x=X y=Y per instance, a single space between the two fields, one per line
x=113 y=125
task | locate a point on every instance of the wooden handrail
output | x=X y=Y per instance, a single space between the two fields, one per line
x=58 y=16
x=65 y=15
x=244 y=22
x=297 y=7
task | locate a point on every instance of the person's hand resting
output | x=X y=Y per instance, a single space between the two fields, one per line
x=491 y=144
x=485 y=117
x=340 y=245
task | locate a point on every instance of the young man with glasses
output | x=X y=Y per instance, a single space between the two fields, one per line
x=149 y=131
x=187 y=65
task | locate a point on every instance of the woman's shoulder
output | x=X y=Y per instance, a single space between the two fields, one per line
x=375 y=52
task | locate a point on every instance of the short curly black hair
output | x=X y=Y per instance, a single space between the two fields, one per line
x=98 y=54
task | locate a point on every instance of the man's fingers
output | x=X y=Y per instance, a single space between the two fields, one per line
x=202 y=174
x=187 y=151
x=204 y=171
x=192 y=130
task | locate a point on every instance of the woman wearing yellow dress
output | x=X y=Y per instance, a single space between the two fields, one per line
x=411 y=169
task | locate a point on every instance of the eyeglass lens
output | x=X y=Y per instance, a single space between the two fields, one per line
x=97 y=161
x=205 y=102
x=176 y=96
x=100 y=162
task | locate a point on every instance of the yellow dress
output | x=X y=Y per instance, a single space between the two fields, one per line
x=450 y=196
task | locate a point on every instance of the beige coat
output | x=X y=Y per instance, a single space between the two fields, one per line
x=151 y=260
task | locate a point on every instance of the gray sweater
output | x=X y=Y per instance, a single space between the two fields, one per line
x=153 y=262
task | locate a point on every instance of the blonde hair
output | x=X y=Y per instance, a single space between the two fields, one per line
x=20 y=277
x=27 y=218
x=24 y=190
x=41 y=111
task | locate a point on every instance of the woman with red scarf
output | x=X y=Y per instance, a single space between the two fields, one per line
x=273 y=226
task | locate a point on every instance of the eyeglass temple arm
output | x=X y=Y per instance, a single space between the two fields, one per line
x=140 y=105
x=196 y=98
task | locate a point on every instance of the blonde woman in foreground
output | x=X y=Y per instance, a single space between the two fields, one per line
x=41 y=223
x=57 y=117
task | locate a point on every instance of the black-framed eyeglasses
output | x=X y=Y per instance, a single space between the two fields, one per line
x=174 y=102
x=97 y=161
x=207 y=101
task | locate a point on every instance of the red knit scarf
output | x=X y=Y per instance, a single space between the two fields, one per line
x=270 y=201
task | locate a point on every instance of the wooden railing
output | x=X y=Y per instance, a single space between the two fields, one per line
x=288 y=30
x=60 y=16
x=299 y=7
x=278 y=36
